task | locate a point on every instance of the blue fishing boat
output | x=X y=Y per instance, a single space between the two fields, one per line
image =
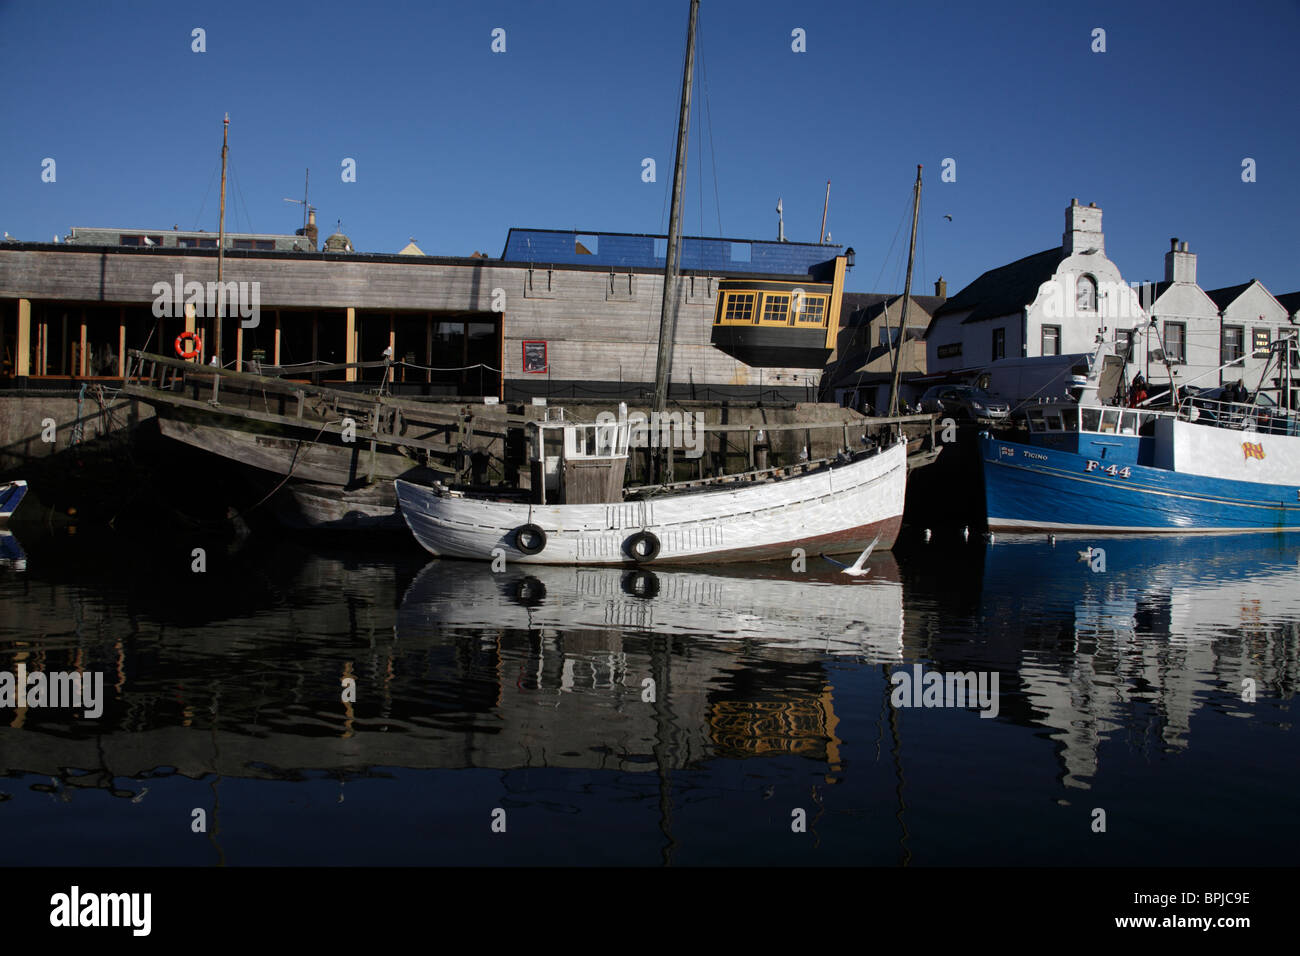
x=1206 y=463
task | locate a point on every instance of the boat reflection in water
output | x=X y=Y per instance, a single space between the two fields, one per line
x=820 y=610
x=1156 y=629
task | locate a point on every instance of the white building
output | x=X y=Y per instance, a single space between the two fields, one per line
x=1186 y=324
x=1051 y=303
x=1251 y=320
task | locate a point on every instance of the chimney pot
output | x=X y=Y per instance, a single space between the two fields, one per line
x=941 y=288
x=1184 y=247
x=1092 y=205
x=1074 y=202
x=1173 y=244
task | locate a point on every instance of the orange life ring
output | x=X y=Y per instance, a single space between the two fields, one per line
x=193 y=353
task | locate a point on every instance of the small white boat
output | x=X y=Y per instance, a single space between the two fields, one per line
x=12 y=494
x=579 y=514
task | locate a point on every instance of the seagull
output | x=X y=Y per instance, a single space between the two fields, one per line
x=856 y=569
x=1051 y=539
x=949 y=218
x=149 y=242
x=388 y=352
x=1086 y=556
x=926 y=535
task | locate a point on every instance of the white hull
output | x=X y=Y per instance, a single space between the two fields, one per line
x=834 y=511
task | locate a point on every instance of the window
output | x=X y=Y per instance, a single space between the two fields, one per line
x=139 y=240
x=192 y=242
x=814 y=310
x=951 y=350
x=1262 y=341
x=266 y=244
x=1091 y=419
x=1086 y=294
x=776 y=309
x=739 y=307
x=1125 y=339
x=999 y=344
x=1232 y=342
x=1282 y=335
x=1051 y=340
x=1176 y=342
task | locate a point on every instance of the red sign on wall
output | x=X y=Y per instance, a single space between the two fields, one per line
x=534 y=356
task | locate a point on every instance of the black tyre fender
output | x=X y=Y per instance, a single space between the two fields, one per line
x=529 y=591
x=641 y=584
x=642 y=546
x=530 y=539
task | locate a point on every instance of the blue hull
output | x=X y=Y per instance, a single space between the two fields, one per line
x=11 y=496
x=1031 y=487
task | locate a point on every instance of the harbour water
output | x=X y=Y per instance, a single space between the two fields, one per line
x=1135 y=710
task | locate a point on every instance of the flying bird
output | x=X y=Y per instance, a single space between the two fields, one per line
x=1086 y=556
x=949 y=218
x=856 y=569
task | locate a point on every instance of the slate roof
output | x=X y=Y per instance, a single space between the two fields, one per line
x=1224 y=297
x=1290 y=301
x=860 y=308
x=1004 y=290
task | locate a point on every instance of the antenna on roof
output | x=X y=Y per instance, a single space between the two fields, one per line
x=780 y=221
x=305 y=208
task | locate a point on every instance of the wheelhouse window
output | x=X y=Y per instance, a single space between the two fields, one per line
x=739 y=307
x=776 y=309
x=194 y=242
x=999 y=344
x=1232 y=342
x=1051 y=340
x=1091 y=419
x=1176 y=342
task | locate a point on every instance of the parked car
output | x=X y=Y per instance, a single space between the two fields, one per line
x=964 y=401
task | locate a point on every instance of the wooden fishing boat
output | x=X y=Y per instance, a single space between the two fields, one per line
x=580 y=514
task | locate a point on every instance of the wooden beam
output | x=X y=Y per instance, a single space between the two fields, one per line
x=121 y=341
x=350 y=344
x=23 y=367
x=275 y=357
x=82 y=364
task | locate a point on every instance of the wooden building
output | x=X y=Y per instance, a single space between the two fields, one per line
x=560 y=314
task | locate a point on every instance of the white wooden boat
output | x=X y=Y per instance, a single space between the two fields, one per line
x=832 y=508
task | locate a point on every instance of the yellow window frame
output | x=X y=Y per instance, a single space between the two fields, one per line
x=725 y=307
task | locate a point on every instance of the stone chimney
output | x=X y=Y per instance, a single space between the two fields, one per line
x=1180 y=265
x=941 y=288
x=1082 y=229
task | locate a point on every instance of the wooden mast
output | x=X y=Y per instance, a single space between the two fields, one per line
x=907 y=297
x=221 y=238
x=668 y=310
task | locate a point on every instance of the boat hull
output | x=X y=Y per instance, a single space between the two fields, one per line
x=837 y=510
x=1032 y=487
x=11 y=496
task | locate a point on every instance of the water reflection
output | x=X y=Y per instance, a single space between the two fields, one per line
x=696 y=707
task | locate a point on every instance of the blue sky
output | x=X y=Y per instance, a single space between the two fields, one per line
x=454 y=143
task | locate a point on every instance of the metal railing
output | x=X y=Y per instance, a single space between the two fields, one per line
x=1239 y=416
